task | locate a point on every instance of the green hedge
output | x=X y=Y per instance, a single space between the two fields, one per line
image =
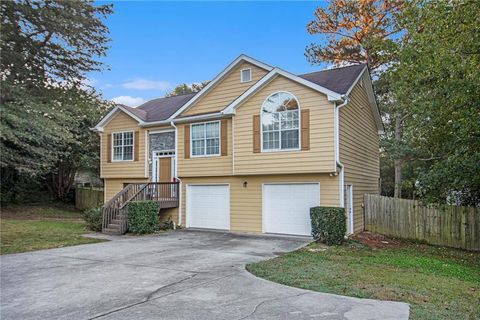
x=93 y=217
x=328 y=224
x=142 y=216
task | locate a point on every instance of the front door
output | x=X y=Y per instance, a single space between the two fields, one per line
x=165 y=169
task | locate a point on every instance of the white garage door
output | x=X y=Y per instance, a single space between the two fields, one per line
x=286 y=207
x=208 y=206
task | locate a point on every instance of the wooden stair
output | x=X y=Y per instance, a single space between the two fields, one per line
x=115 y=211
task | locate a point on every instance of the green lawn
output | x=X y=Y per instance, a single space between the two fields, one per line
x=34 y=228
x=438 y=283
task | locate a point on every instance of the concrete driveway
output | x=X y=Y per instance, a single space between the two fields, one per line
x=177 y=275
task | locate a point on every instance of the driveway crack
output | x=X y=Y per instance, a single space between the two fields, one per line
x=156 y=291
x=258 y=305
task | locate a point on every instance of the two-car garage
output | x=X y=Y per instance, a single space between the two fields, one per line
x=285 y=207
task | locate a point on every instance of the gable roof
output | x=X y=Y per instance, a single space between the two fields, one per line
x=335 y=83
x=332 y=96
x=339 y=80
x=220 y=76
x=141 y=114
x=162 y=108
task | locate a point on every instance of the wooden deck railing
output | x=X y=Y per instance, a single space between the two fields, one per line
x=115 y=210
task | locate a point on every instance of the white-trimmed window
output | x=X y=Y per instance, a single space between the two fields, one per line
x=280 y=122
x=122 y=146
x=246 y=75
x=205 y=138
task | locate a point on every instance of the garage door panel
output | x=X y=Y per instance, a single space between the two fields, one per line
x=208 y=206
x=287 y=207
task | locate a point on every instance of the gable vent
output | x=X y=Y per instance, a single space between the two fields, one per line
x=246 y=75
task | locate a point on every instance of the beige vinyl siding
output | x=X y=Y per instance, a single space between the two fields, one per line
x=203 y=166
x=359 y=150
x=227 y=90
x=320 y=157
x=113 y=186
x=246 y=203
x=122 y=169
x=126 y=169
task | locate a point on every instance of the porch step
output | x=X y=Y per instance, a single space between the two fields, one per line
x=113 y=232
x=116 y=221
x=113 y=226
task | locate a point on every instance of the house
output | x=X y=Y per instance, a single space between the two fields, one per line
x=251 y=152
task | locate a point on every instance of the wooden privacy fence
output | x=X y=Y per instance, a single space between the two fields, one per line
x=457 y=227
x=88 y=197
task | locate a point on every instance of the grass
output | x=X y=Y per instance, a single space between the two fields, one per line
x=30 y=228
x=437 y=282
x=41 y=212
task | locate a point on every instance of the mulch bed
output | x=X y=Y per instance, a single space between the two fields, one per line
x=375 y=240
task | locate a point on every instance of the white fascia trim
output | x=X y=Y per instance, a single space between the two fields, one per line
x=216 y=115
x=356 y=80
x=155 y=123
x=109 y=116
x=332 y=96
x=219 y=77
x=371 y=98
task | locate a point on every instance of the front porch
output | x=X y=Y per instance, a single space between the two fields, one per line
x=166 y=194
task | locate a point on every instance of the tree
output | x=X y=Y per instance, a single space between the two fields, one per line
x=184 y=88
x=47 y=49
x=366 y=31
x=51 y=42
x=355 y=32
x=80 y=149
x=437 y=81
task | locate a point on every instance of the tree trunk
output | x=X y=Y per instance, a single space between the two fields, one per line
x=397 y=193
x=61 y=181
x=398 y=162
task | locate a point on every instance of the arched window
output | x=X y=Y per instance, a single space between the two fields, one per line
x=280 y=122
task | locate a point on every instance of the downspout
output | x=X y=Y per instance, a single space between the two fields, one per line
x=346 y=100
x=175 y=169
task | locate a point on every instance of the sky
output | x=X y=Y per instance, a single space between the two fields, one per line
x=157 y=45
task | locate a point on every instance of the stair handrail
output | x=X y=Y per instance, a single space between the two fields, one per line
x=136 y=193
x=118 y=195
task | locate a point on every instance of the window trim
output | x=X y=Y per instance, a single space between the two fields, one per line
x=280 y=138
x=113 y=146
x=241 y=75
x=205 y=155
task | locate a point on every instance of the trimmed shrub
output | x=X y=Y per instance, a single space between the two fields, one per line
x=328 y=224
x=142 y=216
x=93 y=217
x=167 y=225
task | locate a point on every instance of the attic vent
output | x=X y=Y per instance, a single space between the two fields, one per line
x=245 y=75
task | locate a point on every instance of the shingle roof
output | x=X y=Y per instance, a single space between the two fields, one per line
x=162 y=108
x=142 y=114
x=338 y=80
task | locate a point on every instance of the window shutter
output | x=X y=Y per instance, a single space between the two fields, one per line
x=187 y=142
x=109 y=147
x=256 y=133
x=224 y=137
x=305 y=126
x=136 y=138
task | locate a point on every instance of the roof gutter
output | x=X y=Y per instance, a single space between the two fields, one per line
x=216 y=115
x=154 y=123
